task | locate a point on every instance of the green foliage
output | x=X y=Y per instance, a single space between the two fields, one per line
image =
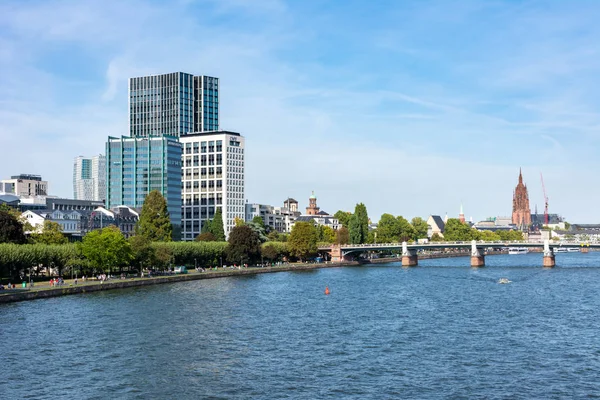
x=143 y=254
x=326 y=234
x=274 y=251
x=190 y=253
x=259 y=221
x=154 y=222
x=342 y=236
x=420 y=227
x=406 y=230
x=488 y=236
x=343 y=217
x=51 y=234
x=388 y=229
x=302 y=242
x=11 y=230
x=217 y=227
x=458 y=231
x=20 y=259
x=206 y=237
x=106 y=248
x=359 y=225
x=436 y=238
x=244 y=245
x=510 y=235
x=259 y=230
x=567 y=226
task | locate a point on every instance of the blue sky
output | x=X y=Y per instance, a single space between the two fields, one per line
x=411 y=107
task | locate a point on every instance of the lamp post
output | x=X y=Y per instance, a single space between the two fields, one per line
x=195 y=264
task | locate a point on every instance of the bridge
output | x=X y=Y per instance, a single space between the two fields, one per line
x=410 y=256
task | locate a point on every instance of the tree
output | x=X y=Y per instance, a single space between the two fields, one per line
x=51 y=234
x=326 y=234
x=206 y=237
x=106 y=248
x=388 y=229
x=260 y=231
x=343 y=217
x=143 y=253
x=420 y=227
x=244 y=245
x=359 y=224
x=11 y=230
x=216 y=226
x=342 y=236
x=407 y=232
x=238 y=222
x=154 y=222
x=259 y=221
x=456 y=231
x=488 y=236
x=303 y=240
x=273 y=251
x=436 y=238
x=510 y=235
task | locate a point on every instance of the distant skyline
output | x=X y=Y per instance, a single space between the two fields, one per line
x=409 y=107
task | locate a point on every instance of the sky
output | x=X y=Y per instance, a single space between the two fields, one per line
x=411 y=107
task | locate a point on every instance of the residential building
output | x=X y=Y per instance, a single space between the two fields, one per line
x=136 y=166
x=25 y=185
x=89 y=178
x=280 y=219
x=123 y=217
x=55 y=203
x=212 y=177
x=173 y=104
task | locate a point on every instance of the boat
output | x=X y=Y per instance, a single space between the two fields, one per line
x=518 y=250
x=504 y=280
x=566 y=250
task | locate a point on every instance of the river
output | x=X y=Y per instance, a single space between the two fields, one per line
x=440 y=330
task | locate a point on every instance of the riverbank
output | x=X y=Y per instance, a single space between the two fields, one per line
x=41 y=291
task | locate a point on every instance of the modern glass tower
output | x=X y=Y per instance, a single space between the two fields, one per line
x=173 y=104
x=89 y=178
x=136 y=166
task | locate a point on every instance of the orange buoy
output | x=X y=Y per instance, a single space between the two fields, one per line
x=326 y=290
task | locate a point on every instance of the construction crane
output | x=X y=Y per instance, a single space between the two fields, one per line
x=546 y=218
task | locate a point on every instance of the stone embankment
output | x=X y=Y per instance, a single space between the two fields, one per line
x=13 y=295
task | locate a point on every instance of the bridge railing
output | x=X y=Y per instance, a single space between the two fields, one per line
x=507 y=243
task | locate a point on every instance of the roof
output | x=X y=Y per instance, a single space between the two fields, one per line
x=329 y=220
x=290 y=200
x=325 y=213
x=312 y=196
x=9 y=198
x=439 y=222
x=209 y=133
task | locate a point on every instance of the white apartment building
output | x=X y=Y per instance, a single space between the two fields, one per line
x=25 y=185
x=280 y=219
x=89 y=178
x=212 y=177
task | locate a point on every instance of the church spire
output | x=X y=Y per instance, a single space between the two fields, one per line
x=520 y=176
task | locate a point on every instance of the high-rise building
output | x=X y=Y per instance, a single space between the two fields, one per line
x=521 y=215
x=173 y=104
x=25 y=185
x=212 y=177
x=89 y=178
x=136 y=166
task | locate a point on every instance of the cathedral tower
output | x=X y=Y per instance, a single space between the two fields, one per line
x=312 y=208
x=521 y=215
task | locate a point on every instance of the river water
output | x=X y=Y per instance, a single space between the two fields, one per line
x=440 y=330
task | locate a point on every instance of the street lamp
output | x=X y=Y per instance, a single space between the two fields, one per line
x=195 y=264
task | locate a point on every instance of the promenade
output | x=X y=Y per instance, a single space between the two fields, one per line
x=43 y=290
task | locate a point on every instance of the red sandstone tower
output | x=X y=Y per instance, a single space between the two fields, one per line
x=312 y=208
x=521 y=215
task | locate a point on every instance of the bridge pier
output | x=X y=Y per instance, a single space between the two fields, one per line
x=549 y=257
x=477 y=255
x=336 y=253
x=409 y=256
x=585 y=249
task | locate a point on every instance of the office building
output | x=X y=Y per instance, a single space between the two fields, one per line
x=136 y=166
x=89 y=178
x=280 y=219
x=212 y=177
x=25 y=185
x=173 y=104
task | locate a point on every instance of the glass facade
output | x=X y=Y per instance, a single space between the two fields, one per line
x=136 y=166
x=173 y=104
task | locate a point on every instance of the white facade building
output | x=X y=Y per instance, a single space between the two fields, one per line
x=89 y=178
x=280 y=219
x=212 y=177
x=25 y=185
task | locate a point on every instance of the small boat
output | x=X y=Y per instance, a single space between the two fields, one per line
x=518 y=250
x=566 y=250
x=504 y=280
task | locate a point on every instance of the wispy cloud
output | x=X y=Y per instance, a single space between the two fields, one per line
x=409 y=117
